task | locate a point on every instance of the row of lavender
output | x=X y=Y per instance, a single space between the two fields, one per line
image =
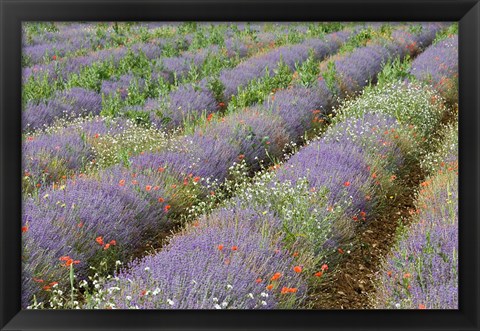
x=78 y=38
x=263 y=248
x=144 y=199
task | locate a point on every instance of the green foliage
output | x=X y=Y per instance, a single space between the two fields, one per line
x=257 y=90
x=309 y=71
x=358 y=40
x=445 y=33
x=395 y=70
x=330 y=77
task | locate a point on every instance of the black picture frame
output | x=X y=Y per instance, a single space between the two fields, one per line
x=466 y=12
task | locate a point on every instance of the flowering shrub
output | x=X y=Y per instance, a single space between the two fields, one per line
x=72 y=103
x=438 y=66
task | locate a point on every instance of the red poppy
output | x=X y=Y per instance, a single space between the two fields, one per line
x=276 y=276
x=161 y=169
x=346 y=184
x=220 y=247
x=269 y=287
x=324 y=267
x=99 y=240
x=389 y=273
x=113 y=242
x=241 y=157
x=258 y=280
x=318 y=274
x=234 y=248
x=421 y=306
x=196 y=179
x=407 y=275
x=167 y=208
x=37 y=280
x=148 y=188
x=209 y=117
x=54 y=57
x=107 y=246
x=64 y=258
x=297 y=269
x=24 y=229
x=161 y=199
x=46 y=288
x=295 y=254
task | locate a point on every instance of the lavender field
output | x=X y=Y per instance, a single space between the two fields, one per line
x=182 y=165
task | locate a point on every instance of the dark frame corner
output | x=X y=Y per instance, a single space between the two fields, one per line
x=466 y=12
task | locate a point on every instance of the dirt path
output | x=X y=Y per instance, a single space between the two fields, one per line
x=351 y=285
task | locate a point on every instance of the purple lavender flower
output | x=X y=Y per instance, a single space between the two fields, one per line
x=438 y=66
x=75 y=102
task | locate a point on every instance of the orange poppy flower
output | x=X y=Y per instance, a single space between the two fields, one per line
x=64 y=258
x=161 y=169
x=269 y=287
x=220 y=247
x=113 y=242
x=318 y=274
x=297 y=269
x=37 y=280
x=324 y=267
x=99 y=240
x=346 y=184
x=167 y=208
x=148 y=188
x=24 y=229
x=234 y=248
x=421 y=306
x=276 y=276
x=196 y=179
x=258 y=280
x=107 y=246
x=161 y=199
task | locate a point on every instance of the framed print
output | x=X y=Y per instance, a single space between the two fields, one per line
x=241 y=165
